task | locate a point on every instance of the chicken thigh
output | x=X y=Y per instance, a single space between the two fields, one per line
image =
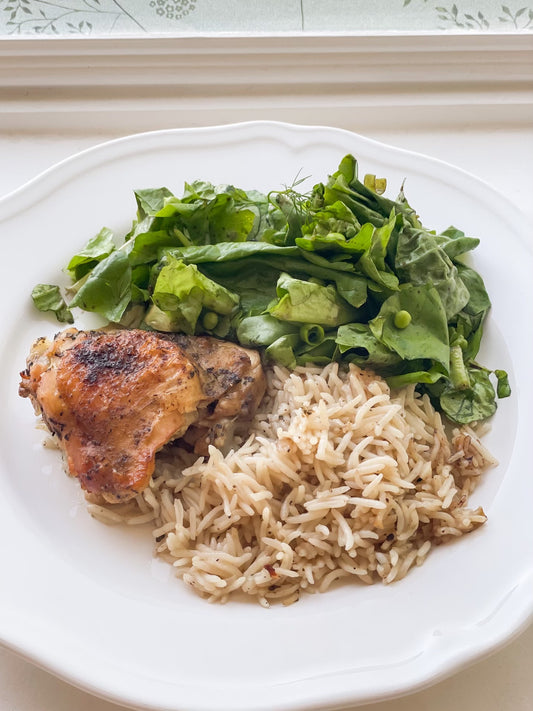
x=237 y=385
x=114 y=398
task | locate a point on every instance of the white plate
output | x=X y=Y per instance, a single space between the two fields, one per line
x=89 y=603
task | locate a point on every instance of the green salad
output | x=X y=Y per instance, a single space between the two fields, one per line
x=339 y=273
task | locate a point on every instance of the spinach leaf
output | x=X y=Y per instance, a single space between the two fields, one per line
x=420 y=260
x=320 y=354
x=267 y=261
x=472 y=404
x=426 y=336
x=358 y=345
x=145 y=247
x=410 y=377
x=478 y=302
x=229 y=251
x=263 y=330
x=151 y=201
x=334 y=229
x=365 y=203
x=455 y=243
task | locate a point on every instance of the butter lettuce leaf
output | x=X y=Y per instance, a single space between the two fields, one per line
x=106 y=290
x=47 y=297
x=183 y=289
x=96 y=249
x=307 y=302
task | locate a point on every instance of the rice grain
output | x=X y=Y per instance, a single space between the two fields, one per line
x=336 y=478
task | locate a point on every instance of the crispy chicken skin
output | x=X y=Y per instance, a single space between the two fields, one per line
x=114 y=398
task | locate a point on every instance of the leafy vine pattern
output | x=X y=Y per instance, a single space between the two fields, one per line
x=82 y=17
x=60 y=17
x=86 y=17
x=518 y=19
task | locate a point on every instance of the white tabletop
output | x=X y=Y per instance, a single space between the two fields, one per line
x=502 y=682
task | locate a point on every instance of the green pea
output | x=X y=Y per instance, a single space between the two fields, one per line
x=210 y=320
x=402 y=319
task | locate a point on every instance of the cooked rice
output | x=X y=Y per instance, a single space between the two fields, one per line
x=337 y=478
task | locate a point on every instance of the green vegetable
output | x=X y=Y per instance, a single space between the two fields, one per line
x=471 y=404
x=420 y=260
x=150 y=202
x=341 y=272
x=182 y=290
x=378 y=185
x=428 y=377
x=263 y=330
x=106 y=289
x=312 y=334
x=503 y=387
x=210 y=320
x=358 y=345
x=282 y=350
x=455 y=243
x=306 y=302
x=47 y=297
x=458 y=372
x=167 y=321
x=426 y=336
x=402 y=318
x=96 y=249
x=320 y=354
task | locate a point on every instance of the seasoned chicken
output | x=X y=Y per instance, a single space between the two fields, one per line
x=237 y=386
x=114 y=398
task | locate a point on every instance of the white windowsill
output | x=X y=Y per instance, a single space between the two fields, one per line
x=425 y=80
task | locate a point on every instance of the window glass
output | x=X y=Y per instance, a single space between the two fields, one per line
x=178 y=17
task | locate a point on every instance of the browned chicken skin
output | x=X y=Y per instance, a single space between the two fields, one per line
x=114 y=398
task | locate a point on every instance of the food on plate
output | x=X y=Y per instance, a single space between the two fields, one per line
x=334 y=478
x=362 y=325
x=338 y=273
x=114 y=398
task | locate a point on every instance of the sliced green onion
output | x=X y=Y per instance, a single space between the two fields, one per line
x=503 y=389
x=378 y=185
x=312 y=334
x=458 y=372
